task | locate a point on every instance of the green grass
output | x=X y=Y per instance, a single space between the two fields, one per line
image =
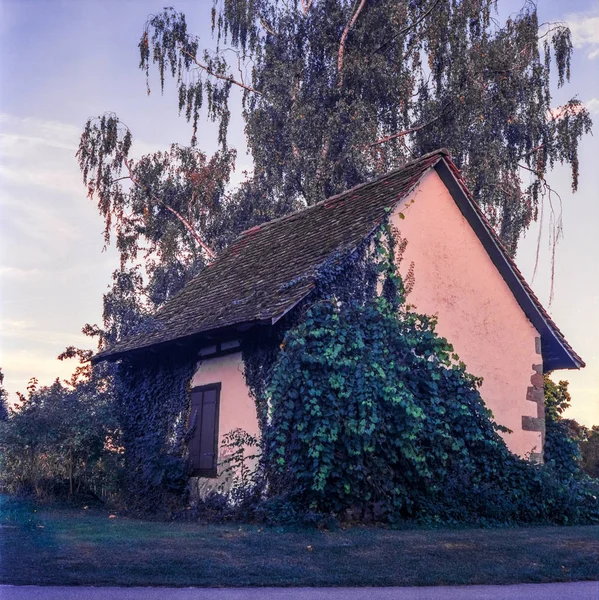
x=46 y=546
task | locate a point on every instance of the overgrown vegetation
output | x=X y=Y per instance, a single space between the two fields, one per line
x=589 y=448
x=366 y=414
x=3 y=399
x=372 y=417
x=571 y=447
x=561 y=446
x=63 y=440
x=152 y=405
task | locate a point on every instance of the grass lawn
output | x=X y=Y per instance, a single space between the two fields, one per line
x=76 y=547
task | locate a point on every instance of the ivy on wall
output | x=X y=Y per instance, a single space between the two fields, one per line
x=153 y=406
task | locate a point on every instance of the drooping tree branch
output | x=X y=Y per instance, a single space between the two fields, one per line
x=228 y=78
x=395 y=136
x=536 y=172
x=551 y=27
x=267 y=27
x=532 y=151
x=404 y=132
x=176 y=213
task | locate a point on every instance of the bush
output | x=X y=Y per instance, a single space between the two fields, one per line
x=589 y=449
x=561 y=440
x=60 y=442
x=3 y=399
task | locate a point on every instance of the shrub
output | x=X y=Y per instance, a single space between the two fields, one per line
x=60 y=441
x=372 y=416
x=561 y=440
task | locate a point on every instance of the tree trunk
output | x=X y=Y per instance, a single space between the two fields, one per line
x=70 y=471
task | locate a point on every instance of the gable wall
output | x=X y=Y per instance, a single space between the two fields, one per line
x=456 y=280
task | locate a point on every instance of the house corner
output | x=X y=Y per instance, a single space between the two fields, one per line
x=535 y=393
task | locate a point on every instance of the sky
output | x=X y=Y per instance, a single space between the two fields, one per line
x=62 y=61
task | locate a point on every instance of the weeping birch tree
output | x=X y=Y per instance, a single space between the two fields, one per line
x=333 y=93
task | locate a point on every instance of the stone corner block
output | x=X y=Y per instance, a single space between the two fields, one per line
x=533 y=423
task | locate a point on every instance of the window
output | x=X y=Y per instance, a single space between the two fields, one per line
x=203 y=445
x=220 y=348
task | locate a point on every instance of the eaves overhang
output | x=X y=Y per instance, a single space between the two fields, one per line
x=193 y=340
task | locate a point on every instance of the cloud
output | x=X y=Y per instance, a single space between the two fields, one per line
x=44 y=177
x=16 y=273
x=38 y=357
x=43 y=204
x=15 y=325
x=38 y=131
x=19 y=143
x=593 y=105
x=39 y=153
x=37 y=221
x=42 y=153
x=19 y=367
x=30 y=330
x=584 y=27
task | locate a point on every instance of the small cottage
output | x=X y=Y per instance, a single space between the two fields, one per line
x=463 y=275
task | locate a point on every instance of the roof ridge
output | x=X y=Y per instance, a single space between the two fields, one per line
x=388 y=175
x=441 y=152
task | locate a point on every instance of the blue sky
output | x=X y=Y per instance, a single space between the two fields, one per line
x=64 y=61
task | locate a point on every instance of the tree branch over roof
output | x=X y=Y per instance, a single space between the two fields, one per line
x=341 y=53
x=403 y=133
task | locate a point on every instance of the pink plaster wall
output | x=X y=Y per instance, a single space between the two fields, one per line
x=456 y=280
x=237 y=407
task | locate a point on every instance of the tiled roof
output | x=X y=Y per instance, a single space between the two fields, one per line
x=268 y=269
